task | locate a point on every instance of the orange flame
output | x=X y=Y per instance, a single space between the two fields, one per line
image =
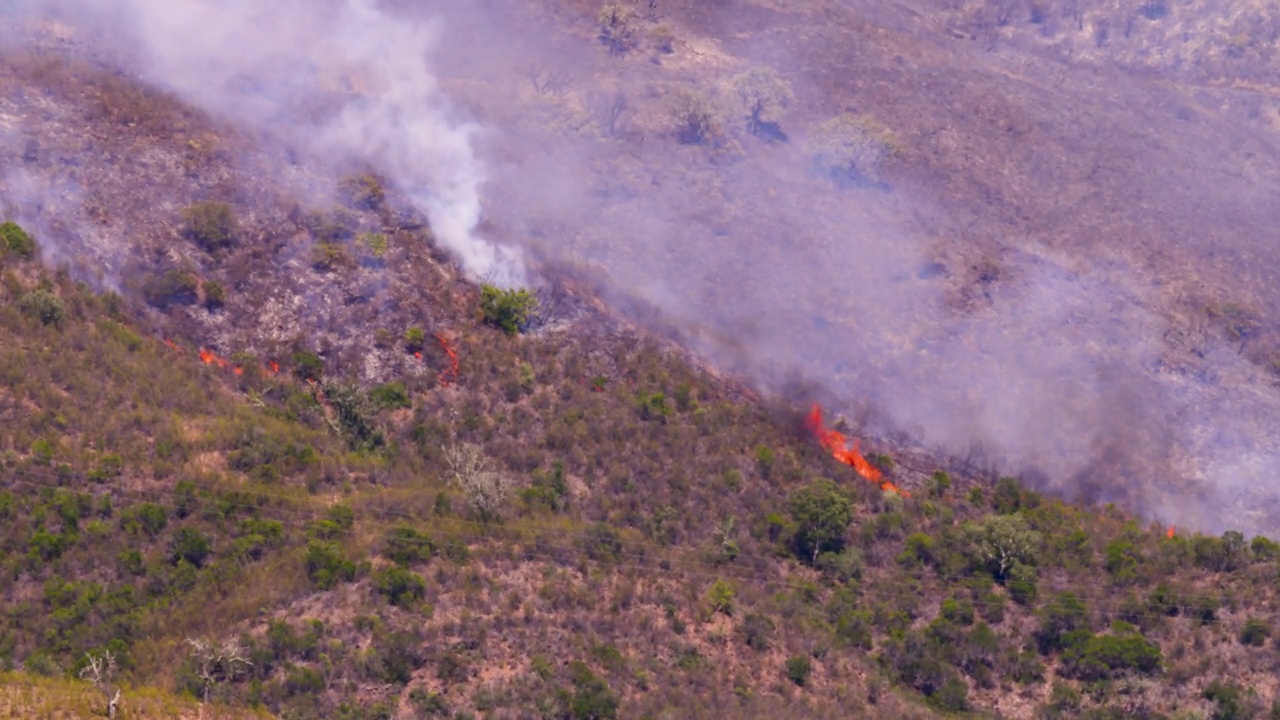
x=173 y=346
x=1170 y=532
x=275 y=367
x=238 y=371
x=453 y=359
x=834 y=442
x=209 y=357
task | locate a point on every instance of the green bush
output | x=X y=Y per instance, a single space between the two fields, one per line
x=307 y=366
x=414 y=339
x=15 y=241
x=1255 y=632
x=215 y=295
x=720 y=596
x=1059 y=619
x=756 y=630
x=174 y=287
x=1106 y=656
x=44 y=306
x=822 y=513
x=327 y=564
x=391 y=395
x=797 y=669
x=190 y=545
x=511 y=310
x=592 y=699
x=401 y=587
x=212 y=225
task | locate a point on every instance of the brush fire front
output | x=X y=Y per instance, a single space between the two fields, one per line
x=835 y=443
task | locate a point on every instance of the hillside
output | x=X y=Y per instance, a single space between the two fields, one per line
x=268 y=441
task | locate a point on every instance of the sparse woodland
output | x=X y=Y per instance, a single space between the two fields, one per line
x=476 y=503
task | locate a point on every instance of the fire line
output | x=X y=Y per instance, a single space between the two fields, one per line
x=835 y=443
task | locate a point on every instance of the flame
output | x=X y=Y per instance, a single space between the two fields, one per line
x=173 y=346
x=453 y=359
x=209 y=357
x=275 y=367
x=418 y=355
x=834 y=442
x=1170 y=532
x=238 y=371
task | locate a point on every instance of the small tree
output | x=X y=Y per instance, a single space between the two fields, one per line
x=217 y=662
x=510 y=310
x=1004 y=540
x=15 y=241
x=762 y=96
x=822 y=513
x=484 y=487
x=720 y=596
x=212 y=225
x=618 y=28
x=101 y=671
x=697 y=120
x=851 y=148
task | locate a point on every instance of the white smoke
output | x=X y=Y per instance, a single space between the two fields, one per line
x=341 y=78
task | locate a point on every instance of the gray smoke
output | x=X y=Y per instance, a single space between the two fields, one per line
x=1060 y=368
x=341 y=78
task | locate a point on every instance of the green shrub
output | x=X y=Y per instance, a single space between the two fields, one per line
x=212 y=225
x=511 y=310
x=1255 y=632
x=1061 y=617
x=592 y=699
x=363 y=192
x=190 y=545
x=756 y=630
x=174 y=287
x=414 y=339
x=391 y=395
x=1264 y=548
x=400 y=586
x=15 y=241
x=307 y=366
x=44 y=306
x=1231 y=701
x=327 y=564
x=797 y=669
x=822 y=513
x=720 y=596
x=1106 y=656
x=215 y=295
x=330 y=256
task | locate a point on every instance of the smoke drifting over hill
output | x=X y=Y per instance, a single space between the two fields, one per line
x=343 y=80
x=949 y=319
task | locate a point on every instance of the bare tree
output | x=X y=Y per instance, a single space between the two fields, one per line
x=101 y=671
x=484 y=487
x=548 y=82
x=614 y=106
x=217 y=662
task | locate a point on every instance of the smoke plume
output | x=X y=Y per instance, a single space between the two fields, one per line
x=340 y=78
x=994 y=305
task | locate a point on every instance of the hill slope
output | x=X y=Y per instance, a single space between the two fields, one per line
x=297 y=430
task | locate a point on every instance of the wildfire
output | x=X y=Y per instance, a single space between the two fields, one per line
x=173 y=346
x=209 y=357
x=275 y=367
x=1170 y=532
x=453 y=359
x=835 y=442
